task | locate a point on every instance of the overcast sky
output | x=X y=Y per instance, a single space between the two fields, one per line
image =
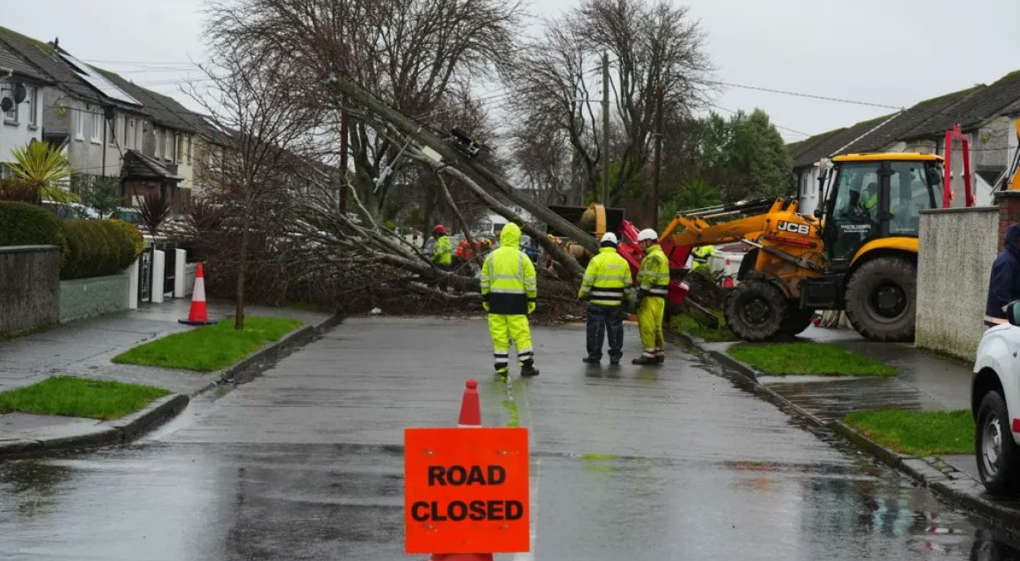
x=891 y=52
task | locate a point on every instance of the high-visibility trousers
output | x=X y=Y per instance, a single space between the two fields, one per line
x=503 y=328
x=649 y=315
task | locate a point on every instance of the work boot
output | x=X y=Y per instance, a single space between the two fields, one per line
x=529 y=370
x=591 y=360
x=643 y=360
x=614 y=362
x=660 y=359
x=502 y=376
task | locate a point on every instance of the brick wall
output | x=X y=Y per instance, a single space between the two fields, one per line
x=1009 y=212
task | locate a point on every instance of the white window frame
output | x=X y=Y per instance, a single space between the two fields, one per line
x=79 y=133
x=98 y=123
x=129 y=133
x=33 y=107
x=169 y=148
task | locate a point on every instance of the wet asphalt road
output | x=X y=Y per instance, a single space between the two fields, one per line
x=305 y=462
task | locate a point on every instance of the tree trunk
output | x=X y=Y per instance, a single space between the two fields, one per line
x=242 y=270
x=468 y=166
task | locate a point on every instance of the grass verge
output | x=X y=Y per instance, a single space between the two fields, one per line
x=77 y=397
x=920 y=433
x=209 y=348
x=685 y=323
x=824 y=359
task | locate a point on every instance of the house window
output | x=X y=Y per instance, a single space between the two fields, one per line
x=139 y=145
x=111 y=130
x=80 y=132
x=189 y=150
x=12 y=115
x=169 y=149
x=158 y=151
x=33 y=107
x=180 y=148
x=129 y=133
x=97 y=127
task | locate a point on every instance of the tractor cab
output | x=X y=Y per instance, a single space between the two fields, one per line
x=871 y=197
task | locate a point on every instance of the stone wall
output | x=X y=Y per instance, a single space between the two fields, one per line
x=29 y=288
x=86 y=298
x=957 y=249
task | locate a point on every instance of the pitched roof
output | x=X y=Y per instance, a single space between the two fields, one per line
x=970 y=108
x=140 y=166
x=21 y=67
x=986 y=102
x=45 y=59
x=163 y=110
x=808 y=152
x=917 y=117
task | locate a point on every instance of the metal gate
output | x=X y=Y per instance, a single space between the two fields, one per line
x=145 y=275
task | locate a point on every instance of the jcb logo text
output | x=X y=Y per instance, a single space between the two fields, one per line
x=793 y=227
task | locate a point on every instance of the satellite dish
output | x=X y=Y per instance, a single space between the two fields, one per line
x=20 y=93
x=7 y=104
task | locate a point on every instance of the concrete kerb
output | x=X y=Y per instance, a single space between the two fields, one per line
x=957 y=487
x=261 y=360
x=165 y=408
x=120 y=431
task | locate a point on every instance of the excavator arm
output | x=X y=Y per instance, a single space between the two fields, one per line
x=719 y=225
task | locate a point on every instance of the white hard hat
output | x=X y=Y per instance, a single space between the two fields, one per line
x=609 y=237
x=647 y=234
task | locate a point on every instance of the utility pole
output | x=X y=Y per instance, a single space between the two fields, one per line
x=658 y=154
x=605 y=129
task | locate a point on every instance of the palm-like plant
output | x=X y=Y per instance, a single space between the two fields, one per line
x=42 y=167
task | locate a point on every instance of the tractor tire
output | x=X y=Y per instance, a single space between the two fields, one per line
x=881 y=299
x=797 y=320
x=756 y=310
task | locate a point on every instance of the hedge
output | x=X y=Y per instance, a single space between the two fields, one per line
x=97 y=248
x=28 y=224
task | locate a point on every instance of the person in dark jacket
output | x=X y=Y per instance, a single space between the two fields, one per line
x=1004 y=285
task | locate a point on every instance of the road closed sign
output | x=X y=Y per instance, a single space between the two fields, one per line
x=466 y=490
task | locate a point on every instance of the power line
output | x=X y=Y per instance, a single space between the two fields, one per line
x=804 y=134
x=809 y=96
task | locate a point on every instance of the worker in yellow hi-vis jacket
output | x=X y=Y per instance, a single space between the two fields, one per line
x=509 y=293
x=653 y=287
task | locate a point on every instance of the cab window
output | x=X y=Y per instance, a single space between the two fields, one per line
x=909 y=194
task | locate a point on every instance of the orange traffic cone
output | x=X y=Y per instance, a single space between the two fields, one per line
x=470 y=417
x=199 y=315
x=470 y=410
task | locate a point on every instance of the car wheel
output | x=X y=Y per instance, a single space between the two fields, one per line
x=995 y=450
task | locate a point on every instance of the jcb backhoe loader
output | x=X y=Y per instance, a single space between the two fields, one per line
x=858 y=252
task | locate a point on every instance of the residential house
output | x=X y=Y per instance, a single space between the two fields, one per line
x=21 y=98
x=165 y=160
x=986 y=115
x=80 y=107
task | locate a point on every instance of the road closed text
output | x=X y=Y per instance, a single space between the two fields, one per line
x=466 y=491
x=477 y=510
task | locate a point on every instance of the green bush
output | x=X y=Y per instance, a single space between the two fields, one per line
x=97 y=248
x=28 y=224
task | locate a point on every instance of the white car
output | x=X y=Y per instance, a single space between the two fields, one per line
x=995 y=404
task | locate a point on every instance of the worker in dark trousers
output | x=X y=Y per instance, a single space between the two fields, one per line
x=606 y=285
x=1004 y=284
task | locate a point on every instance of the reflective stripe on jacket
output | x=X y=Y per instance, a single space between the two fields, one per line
x=653 y=276
x=508 y=276
x=607 y=279
x=443 y=252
